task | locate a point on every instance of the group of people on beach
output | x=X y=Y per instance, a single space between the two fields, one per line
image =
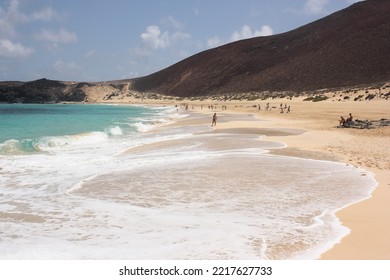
x=346 y=121
x=284 y=109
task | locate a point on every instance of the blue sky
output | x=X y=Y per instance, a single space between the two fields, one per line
x=100 y=40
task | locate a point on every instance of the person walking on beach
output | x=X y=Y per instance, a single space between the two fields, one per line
x=214 y=121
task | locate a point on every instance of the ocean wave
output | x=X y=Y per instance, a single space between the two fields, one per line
x=146 y=124
x=50 y=143
x=15 y=147
x=114 y=131
x=143 y=127
x=54 y=143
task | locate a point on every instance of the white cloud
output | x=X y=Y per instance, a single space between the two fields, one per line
x=265 y=30
x=315 y=7
x=153 y=38
x=10 y=17
x=10 y=49
x=62 y=36
x=246 y=32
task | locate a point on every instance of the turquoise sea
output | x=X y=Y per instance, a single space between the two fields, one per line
x=84 y=181
x=34 y=127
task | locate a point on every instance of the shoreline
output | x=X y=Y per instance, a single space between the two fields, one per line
x=236 y=123
x=368 y=220
x=196 y=170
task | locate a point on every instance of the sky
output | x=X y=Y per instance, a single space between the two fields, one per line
x=102 y=40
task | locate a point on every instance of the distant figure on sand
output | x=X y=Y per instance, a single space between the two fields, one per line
x=342 y=121
x=214 y=122
x=349 y=119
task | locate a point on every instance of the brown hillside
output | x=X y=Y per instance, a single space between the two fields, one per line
x=350 y=47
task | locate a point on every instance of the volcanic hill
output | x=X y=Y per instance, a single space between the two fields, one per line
x=350 y=47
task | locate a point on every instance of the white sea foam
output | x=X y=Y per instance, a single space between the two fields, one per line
x=49 y=143
x=115 y=131
x=79 y=184
x=10 y=147
x=147 y=124
x=53 y=143
x=143 y=127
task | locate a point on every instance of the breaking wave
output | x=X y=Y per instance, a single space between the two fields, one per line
x=50 y=143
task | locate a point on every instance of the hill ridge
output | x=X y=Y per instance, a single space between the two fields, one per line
x=346 y=48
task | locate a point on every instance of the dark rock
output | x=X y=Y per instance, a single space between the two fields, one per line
x=366 y=124
x=39 y=91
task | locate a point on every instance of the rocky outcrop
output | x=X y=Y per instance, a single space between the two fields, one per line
x=49 y=91
x=366 y=124
x=39 y=91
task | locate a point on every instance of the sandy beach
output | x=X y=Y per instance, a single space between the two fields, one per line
x=368 y=220
x=275 y=180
